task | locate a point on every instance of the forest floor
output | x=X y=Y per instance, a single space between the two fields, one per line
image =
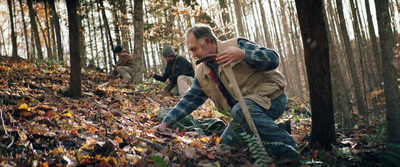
x=113 y=125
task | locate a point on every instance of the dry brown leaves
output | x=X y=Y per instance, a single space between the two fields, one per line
x=113 y=124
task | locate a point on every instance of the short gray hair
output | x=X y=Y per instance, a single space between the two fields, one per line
x=201 y=31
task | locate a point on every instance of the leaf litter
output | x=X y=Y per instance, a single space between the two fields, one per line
x=113 y=125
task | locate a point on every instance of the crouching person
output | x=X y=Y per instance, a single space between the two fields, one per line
x=124 y=64
x=260 y=82
x=178 y=74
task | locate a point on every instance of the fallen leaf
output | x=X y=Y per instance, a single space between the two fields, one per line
x=23 y=106
x=91 y=128
x=211 y=156
x=25 y=114
x=118 y=139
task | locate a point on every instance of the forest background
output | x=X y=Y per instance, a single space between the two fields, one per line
x=39 y=31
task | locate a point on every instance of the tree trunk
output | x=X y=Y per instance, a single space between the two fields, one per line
x=90 y=42
x=287 y=51
x=53 y=38
x=281 y=50
x=341 y=100
x=96 y=49
x=225 y=19
x=299 y=53
x=138 y=69
x=168 y=35
x=35 y=30
x=49 y=49
x=148 y=42
x=357 y=33
x=105 y=60
x=33 y=44
x=316 y=51
x=368 y=72
x=2 y=37
x=245 y=23
x=81 y=31
x=258 y=34
x=56 y=22
x=390 y=76
x=296 y=51
x=265 y=26
x=109 y=39
x=25 y=31
x=203 y=17
x=116 y=18
x=374 y=41
x=74 y=28
x=124 y=24
x=43 y=33
x=238 y=12
x=351 y=61
x=13 y=36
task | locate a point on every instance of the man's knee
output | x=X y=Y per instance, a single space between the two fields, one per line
x=181 y=78
x=236 y=111
x=184 y=79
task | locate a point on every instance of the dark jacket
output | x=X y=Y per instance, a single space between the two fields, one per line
x=182 y=67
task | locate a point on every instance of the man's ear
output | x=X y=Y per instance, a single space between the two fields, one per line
x=208 y=41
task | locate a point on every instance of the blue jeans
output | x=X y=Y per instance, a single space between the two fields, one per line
x=266 y=127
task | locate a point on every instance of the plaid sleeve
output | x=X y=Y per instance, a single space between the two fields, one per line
x=193 y=99
x=259 y=57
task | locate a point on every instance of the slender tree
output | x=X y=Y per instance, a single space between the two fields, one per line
x=96 y=49
x=49 y=49
x=138 y=69
x=35 y=30
x=25 y=31
x=74 y=42
x=351 y=61
x=88 y=18
x=316 y=52
x=296 y=51
x=109 y=39
x=341 y=100
x=238 y=16
x=203 y=16
x=124 y=23
x=374 y=41
x=225 y=19
x=390 y=76
x=116 y=18
x=357 y=31
x=265 y=26
x=56 y=22
x=82 y=45
x=102 y=40
x=44 y=35
x=13 y=36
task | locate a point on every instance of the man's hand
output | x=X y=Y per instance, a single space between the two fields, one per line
x=231 y=55
x=162 y=127
x=151 y=74
x=112 y=76
x=167 y=81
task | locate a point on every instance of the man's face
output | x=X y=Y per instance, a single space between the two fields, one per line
x=168 y=59
x=197 y=49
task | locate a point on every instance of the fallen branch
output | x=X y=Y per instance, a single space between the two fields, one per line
x=156 y=146
x=2 y=120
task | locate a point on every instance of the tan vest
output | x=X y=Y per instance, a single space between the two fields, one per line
x=259 y=86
